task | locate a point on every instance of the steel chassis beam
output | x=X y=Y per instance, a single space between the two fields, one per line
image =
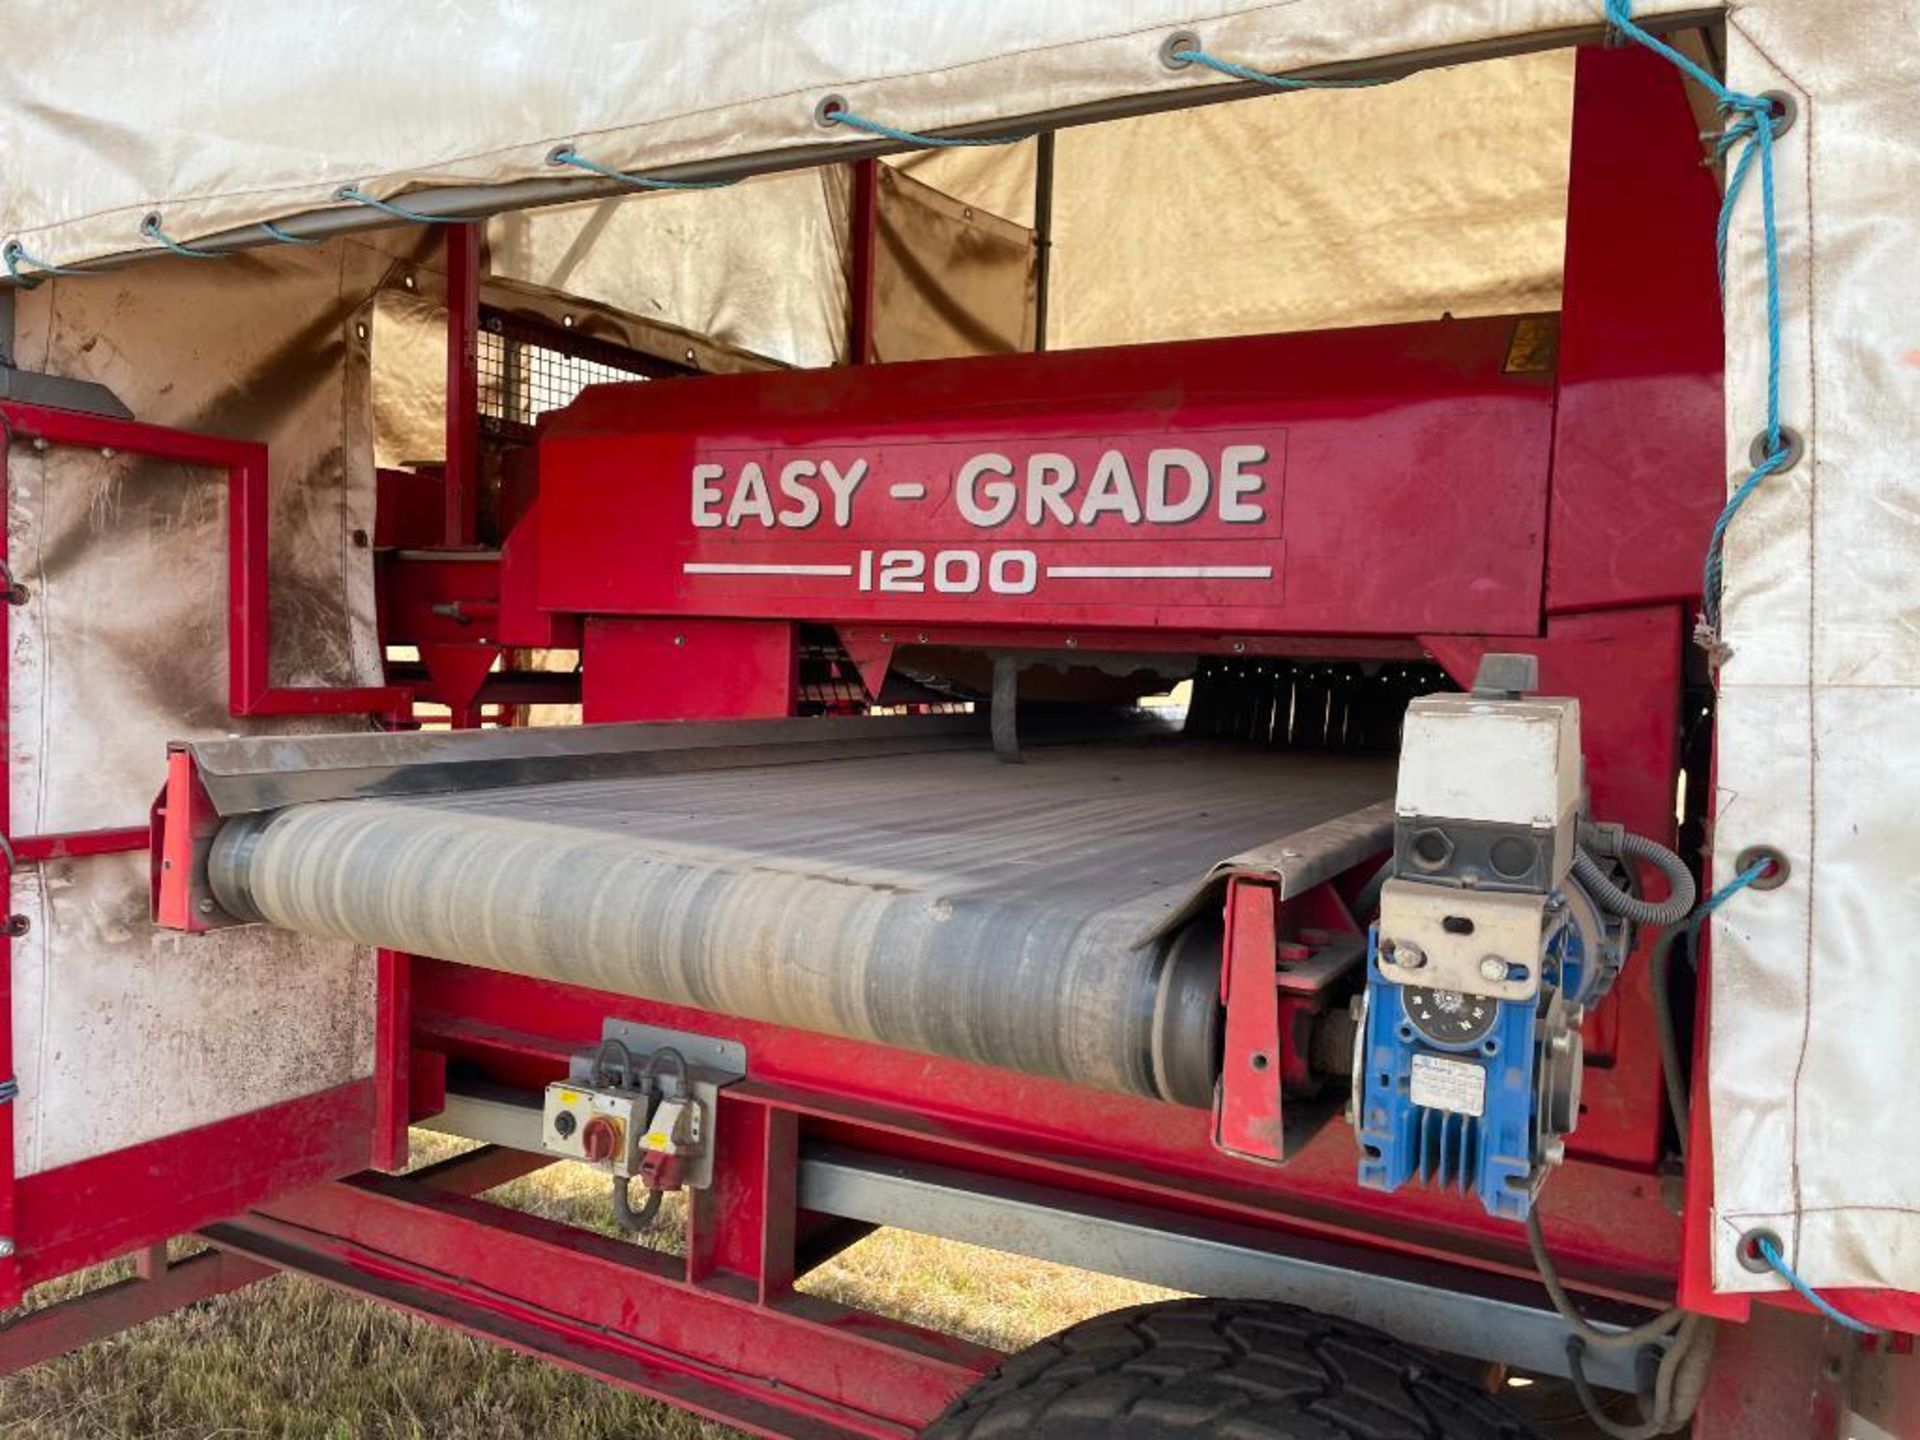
x=1426 y=1302
x=780 y=1364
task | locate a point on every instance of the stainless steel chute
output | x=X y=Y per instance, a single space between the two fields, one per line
x=926 y=897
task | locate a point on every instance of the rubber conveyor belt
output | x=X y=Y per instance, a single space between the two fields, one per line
x=941 y=902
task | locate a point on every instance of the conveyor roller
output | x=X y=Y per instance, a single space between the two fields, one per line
x=939 y=902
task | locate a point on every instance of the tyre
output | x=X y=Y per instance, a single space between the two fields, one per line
x=1233 y=1369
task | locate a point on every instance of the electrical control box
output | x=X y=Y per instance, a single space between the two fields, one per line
x=1488 y=795
x=602 y=1126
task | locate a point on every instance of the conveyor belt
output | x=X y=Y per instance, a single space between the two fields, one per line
x=941 y=902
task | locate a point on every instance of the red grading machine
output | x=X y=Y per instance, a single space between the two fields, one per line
x=825 y=972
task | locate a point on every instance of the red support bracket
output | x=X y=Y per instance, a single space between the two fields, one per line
x=1247 y=1112
x=1282 y=962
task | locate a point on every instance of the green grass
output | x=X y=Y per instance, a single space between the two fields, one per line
x=290 y=1358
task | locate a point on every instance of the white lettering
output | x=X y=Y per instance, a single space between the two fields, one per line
x=1048 y=498
x=1111 y=491
x=1236 y=483
x=706 y=496
x=791 y=475
x=750 y=497
x=843 y=484
x=1001 y=495
x=1161 y=510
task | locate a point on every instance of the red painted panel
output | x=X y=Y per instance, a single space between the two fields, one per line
x=1639 y=460
x=1352 y=479
x=688 y=669
x=96 y=1209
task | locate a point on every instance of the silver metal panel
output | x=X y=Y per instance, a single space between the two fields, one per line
x=708 y=1051
x=1424 y=1303
x=268 y=772
x=936 y=901
x=512 y=1123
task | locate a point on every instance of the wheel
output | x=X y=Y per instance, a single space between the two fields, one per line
x=1233 y=1369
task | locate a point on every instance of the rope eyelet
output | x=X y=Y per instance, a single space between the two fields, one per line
x=1792 y=445
x=1171 y=48
x=1779 y=867
x=1750 y=1253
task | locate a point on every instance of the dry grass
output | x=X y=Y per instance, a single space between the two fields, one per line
x=291 y=1358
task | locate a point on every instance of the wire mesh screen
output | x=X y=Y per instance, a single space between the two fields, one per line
x=527 y=370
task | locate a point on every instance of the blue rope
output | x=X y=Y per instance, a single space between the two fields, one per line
x=1807 y=1293
x=1276 y=82
x=1727 y=891
x=1749 y=132
x=150 y=227
x=567 y=155
x=399 y=212
x=14 y=253
x=914 y=137
x=283 y=237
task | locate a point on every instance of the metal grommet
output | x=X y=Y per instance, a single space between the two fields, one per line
x=1748 y=1250
x=1786 y=110
x=1792 y=442
x=828 y=112
x=1171 y=47
x=557 y=155
x=1770 y=855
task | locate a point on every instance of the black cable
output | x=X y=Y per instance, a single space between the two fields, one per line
x=623 y=1212
x=1646 y=1333
x=667 y=1052
x=600 y=1063
x=1659 y=972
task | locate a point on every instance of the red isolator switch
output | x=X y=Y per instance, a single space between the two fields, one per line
x=600 y=1138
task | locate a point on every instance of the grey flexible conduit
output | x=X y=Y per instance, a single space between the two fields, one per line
x=1615 y=901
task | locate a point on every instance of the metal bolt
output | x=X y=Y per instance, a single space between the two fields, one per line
x=6 y=1247
x=40 y=442
x=1554 y=1152
x=107 y=452
x=1239 y=647
x=1492 y=967
x=1562 y=1043
x=679 y=639
x=1071 y=642
x=206 y=907
x=17 y=925
x=1409 y=956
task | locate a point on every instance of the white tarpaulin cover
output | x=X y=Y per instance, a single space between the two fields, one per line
x=217 y=114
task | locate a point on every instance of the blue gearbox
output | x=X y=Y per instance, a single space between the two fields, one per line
x=1461 y=1090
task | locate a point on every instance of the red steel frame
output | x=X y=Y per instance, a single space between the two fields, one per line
x=724 y=1332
